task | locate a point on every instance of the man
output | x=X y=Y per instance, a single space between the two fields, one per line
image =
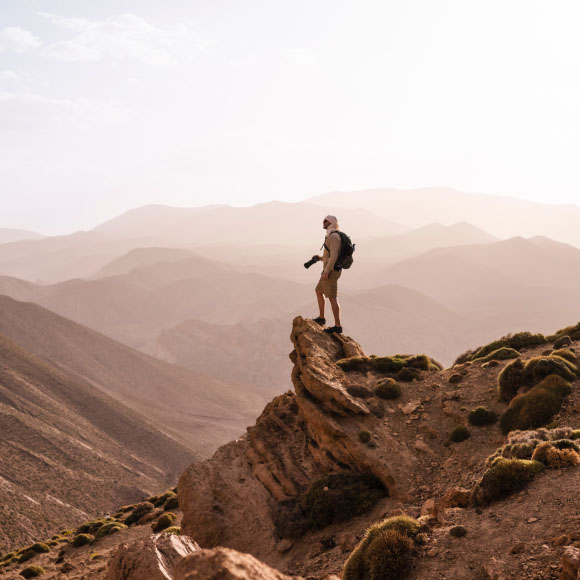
x=327 y=286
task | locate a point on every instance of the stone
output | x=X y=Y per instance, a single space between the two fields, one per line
x=433 y=552
x=570 y=564
x=422 y=446
x=532 y=520
x=560 y=540
x=428 y=508
x=284 y=545
x=225 y=564
x=346 y=542
x=456 y=497
x=518 y=548
x=410 y=407
x=458 y=531
x=153 y=558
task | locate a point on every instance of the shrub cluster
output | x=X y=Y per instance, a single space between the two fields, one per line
x=340 y=496
x=518 y=342
x=388 y=388
x=572 y=332
x=536 y=407
x=518 y=375
x=404 y=367
x=506 y=476
x=138 y=512
x=503 y=353
x=109 y=528
x=556 y=454
x=480 y=416
x=32 y=572
x=82 y=540
x=164 y=521
x=385 y=552
x=459 y=434
x=521 y=444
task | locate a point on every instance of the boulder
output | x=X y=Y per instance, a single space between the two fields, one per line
x=570 y=564
x=153 y=558
x=225 y=564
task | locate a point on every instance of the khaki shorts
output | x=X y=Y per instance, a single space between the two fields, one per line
x=329 y=287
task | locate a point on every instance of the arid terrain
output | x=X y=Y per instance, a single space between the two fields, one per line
x=385 y=437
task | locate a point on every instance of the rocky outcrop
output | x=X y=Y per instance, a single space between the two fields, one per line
x=247 y=495
x=226 y=564
x=153 y=558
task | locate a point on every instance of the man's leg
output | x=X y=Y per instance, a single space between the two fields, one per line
x=320 y=298
x=335 y=310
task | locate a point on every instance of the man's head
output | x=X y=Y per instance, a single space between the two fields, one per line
x=329 y=220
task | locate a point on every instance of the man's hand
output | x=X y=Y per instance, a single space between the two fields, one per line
x=324 y=276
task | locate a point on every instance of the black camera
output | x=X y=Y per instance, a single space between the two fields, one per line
x=312 y=261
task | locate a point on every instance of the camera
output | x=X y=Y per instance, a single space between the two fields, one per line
x=312 y=261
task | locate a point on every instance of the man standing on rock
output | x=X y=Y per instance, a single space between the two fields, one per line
x=327 y=286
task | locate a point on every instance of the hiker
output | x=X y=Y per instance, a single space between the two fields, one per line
x=327 y=285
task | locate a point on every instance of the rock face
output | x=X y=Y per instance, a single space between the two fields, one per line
x=246 y=496
x=226 y=564
x=153 y=558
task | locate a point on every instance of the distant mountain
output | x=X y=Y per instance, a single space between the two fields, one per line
x=184 y=403
x=8 y=235
x=70 y=449
x=503 y=217
x=140 y=257
x=274 y=222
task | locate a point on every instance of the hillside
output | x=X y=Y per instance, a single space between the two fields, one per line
x=500 y=216
x=186 y=404
x=69 y=450
x=388 y=444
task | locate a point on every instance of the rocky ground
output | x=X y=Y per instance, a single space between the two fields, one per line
x=248 y=496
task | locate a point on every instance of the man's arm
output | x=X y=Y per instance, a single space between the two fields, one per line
x=333 y=243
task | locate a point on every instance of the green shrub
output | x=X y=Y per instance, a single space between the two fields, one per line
x=536 y=407
x=176 y=530
x=455 y=378
x=412 y=364
x=138 y=512
x=108 y=529
x=539 y=368
x=458 y=531
x=575 y=434
x=94 y=556
x=82 y=540
x=32 y=572
x=90 y=527
x=354 y=363
x=163 y=498
x=40 y=548
x=519 y=342
x=566 y=354
x=503 y=353
x=459 y=434
x=562 y=341
x=8 y=556
x=480 y=416
x=506 y=476
x=572 y=332
x=172 y=503
x=385 y=552
x=340 y=496
x=388 y=388
x=364 y=436
x=26 y=555
x=510 y=380
x=408 y=374
x=164 y=521
x=517 y=374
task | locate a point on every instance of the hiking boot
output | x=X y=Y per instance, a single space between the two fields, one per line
x=319 y=320
x=333 y=329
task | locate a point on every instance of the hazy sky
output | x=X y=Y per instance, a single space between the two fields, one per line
x=110 y=105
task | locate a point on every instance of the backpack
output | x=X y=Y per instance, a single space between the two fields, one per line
x=345 y=259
